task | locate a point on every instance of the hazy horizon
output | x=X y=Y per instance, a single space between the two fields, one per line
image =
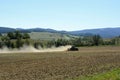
x=58 y=29
x=68 y=15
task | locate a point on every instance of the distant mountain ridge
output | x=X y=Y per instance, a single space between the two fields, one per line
x=6 y=29
x=104 y=32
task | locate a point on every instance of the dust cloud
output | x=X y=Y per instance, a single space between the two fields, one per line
x=31 y=49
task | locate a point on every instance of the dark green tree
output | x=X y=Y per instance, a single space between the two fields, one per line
x=61 y=42
x=18 y=35
x=11 y=35
x=36 y=45
x=97 y=40
x=26 y=36
x=19 y=43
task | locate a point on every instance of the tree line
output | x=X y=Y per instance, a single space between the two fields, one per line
x=95 y=40
x=14 y=39
x=17 y=40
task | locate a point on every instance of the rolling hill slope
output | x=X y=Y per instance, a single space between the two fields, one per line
x=6 y=29
x=49 y=36
x=40 y=34
x=103 y=32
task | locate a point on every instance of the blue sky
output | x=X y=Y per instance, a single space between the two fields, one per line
x=60 y=14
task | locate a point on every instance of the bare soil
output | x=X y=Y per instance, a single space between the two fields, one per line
x=59 y=65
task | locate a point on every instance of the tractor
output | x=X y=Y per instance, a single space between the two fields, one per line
x=73 y=48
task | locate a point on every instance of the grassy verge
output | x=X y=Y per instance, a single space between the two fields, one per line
x=111 y=75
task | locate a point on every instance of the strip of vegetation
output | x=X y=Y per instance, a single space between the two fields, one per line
x=17 y=39
x=111 y=75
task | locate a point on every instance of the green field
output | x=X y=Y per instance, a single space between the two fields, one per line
x=89 y=63
x=110 y=75
x=49 y=36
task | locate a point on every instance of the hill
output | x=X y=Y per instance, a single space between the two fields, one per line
x=6 y=29
x=104 y=32
x=40 y=33
x=49 y=36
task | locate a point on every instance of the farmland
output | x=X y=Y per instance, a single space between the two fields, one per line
x=49 y=36
x=66 y=65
